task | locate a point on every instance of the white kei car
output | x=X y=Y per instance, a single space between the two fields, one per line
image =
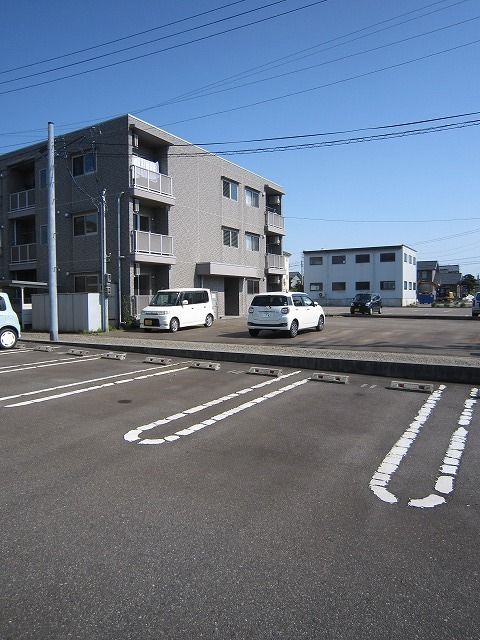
x=290 y=312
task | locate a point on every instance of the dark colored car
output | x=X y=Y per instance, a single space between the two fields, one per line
x=366 y=303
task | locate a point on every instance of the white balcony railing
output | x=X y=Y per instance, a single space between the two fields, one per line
x=275 y=262
x=152 y=243
x=151 y=180
x=275 y=220
x=22 y=200
x=23 y=253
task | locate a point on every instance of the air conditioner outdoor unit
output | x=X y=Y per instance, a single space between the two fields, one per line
x=136 y=205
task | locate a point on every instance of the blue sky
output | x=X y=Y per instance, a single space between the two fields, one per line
x=421 y=190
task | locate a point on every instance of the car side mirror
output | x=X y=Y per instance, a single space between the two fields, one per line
x=315 y=304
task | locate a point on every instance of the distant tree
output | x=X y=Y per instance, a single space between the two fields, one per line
x=468 y=282
x=298 y=286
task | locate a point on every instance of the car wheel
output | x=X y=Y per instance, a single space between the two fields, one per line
x=352 y=312
x=8 y=338
x=174 y=325
x=321 y=323
x=209 y=320
x=370 y=312
x=292 y=332
x=254 y=332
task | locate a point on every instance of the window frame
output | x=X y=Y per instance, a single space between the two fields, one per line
x=392 y=256
x=316 y=261
x=362 y=255
x=253 y=193
x=365 y=287
x=85 y=233
x=336 y=286
x=83 y=156
x=316 y=286
x=86 y=276
x=387 y=288
x=249 y=238
x=339 y=259
x=232 y=188
x=232 y=234
x=253 y=286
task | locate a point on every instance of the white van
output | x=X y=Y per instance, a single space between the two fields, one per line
x=174 y=308
x=9 y=324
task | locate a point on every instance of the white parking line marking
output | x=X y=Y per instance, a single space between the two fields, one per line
x=383 y=475
x=12 y=352
x=451 y=462
x=52 y=363
x=134 y=434
x=94 y=388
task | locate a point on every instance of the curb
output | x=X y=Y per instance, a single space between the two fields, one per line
x=461 y=374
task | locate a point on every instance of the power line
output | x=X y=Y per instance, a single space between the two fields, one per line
x=348 y=56
x=326 y=85
x=145 y=55
x=281 y=59
x=133 y=35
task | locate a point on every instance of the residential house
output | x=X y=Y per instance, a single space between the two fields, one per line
x=176 y=216
x=428 y=280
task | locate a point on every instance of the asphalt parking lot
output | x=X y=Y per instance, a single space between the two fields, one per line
x=445 y=332
x=150 y=501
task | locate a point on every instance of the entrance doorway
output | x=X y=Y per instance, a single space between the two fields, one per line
x=232 y=302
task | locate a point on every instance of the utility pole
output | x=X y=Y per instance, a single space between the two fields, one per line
x=52 y=237
x=103 y=264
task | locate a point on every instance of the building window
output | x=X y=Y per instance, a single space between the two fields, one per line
x=84 y=164
x=230 y=190
x=252 y=198
x=410 y=259
x=410 y=286
x=43 y=234
x=252 y=242
x=414 y=260
x=339 y=259
x=338 y=286
x=85 y=225
x=362 y=257
x=404 y=257
x=316 y=286
x=362 y=286
x=42 y=178
x=405 y=285
x=315 y=260
x=387 y=257
x=387 y=285
x=414 y=286
x=253 y=286
x=230 y=237
x=85 y=283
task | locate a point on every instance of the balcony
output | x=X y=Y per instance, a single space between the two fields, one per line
x=22 y=200
x=21 y=253
x=274 y=222
x=150 y=185
x=153 y=248
x=275 y=264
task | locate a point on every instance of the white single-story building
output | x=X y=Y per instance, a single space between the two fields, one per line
x=335 y=276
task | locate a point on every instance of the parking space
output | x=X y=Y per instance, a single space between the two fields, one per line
x=132 y=402
x=181 y=488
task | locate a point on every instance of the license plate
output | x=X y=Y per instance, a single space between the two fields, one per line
x=265 y=315
x=147 y=322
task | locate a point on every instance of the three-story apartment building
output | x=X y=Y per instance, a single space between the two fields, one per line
x=176 y=216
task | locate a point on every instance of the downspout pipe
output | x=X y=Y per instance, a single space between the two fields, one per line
x=119 y=260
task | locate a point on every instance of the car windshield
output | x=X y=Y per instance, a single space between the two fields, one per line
x=165 y=299
x=270 y=301
x=362 y=297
